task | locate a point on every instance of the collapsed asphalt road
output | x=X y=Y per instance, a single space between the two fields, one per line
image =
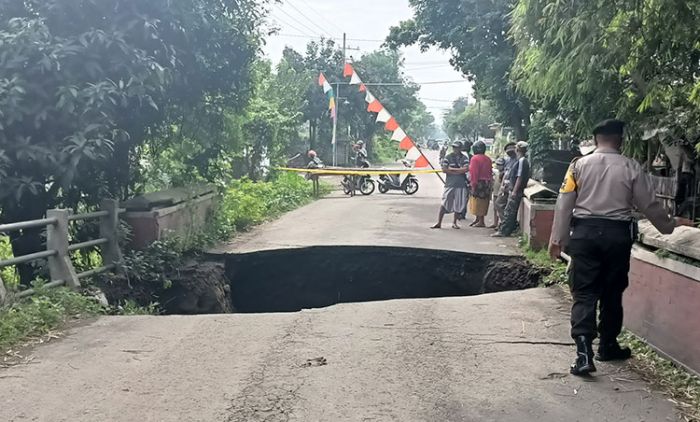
x=493 y=357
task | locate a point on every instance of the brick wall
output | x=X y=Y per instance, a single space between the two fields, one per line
x=662 y=306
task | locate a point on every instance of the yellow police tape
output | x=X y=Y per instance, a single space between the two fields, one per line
x=332 y=171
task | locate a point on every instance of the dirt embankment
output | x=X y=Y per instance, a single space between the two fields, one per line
x=197 y=287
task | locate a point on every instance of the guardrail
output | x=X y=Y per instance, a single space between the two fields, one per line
x=58 y=247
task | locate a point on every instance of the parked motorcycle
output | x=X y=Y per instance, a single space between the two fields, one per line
x=389 y=182
x=364 y=184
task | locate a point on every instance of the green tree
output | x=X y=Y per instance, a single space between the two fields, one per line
x=476 y=33
x=85 y=84
x=470 y=121
x=585 y=61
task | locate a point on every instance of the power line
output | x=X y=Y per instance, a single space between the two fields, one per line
x=417 y=83
x=292 y=26
x=289 y=2
x=317 y=13
x=414 y=69
x=331 y=38
x=436 y=100
x=313 y=31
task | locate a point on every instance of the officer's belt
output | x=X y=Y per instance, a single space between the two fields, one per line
x=603 y=223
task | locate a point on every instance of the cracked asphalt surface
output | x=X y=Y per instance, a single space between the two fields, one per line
x=500 y=357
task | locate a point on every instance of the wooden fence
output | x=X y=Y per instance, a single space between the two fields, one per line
x=58 y=246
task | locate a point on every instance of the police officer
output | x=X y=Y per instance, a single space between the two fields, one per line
x=593 y=221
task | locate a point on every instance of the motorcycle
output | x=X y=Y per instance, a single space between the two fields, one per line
x=393 y=182
x=364 y=184
x=389 y=182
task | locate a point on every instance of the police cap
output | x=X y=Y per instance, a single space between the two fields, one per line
x=609 y=127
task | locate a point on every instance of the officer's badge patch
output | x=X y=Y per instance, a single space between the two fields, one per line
x=569 y=184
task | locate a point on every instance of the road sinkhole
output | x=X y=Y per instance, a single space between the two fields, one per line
x=289 y=280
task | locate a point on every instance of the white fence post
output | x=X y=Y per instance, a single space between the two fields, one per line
x=109 y=229
x=60 y=265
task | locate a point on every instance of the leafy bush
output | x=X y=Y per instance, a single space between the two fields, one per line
x=554 y=272
x=8 y=274
x=386 y=151
x=41 y=313
x=246 y=203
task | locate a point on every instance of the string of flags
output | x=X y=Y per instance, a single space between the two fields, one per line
x=328 y=90
x=413 y=153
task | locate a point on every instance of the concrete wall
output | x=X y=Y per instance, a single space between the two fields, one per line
x=536 y=222
x=662 y=306
x=182 y=220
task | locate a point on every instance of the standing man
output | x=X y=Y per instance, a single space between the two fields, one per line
x=454 y=198
x=518 y=177
x=497 y=183
x=501 y=198
x=467 y=152
x=593 y=220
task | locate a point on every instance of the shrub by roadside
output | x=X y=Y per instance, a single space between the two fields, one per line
x=553 y=272
x=246 y=203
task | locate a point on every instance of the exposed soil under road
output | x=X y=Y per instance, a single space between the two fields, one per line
x=290 y=280
x=294 y=279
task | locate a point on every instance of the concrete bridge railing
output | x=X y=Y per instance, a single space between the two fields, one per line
x=58 y=246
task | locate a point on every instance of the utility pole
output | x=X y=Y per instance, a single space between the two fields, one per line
x=337 y=108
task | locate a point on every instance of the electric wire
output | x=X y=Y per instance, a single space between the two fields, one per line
x=284 y=12
x=286 y=23
x=323 y=30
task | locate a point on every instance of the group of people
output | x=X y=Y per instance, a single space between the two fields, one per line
x=471 y=184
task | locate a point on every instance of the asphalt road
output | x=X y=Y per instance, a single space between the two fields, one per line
x=392 y=219
x=500 y=357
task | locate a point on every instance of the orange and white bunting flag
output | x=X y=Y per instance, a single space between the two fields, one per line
x=369 y=97
x=422 y=162
x=406 y=144
x=383 y=116
x=375 y=106
x=391 y=124
x=363 y=88
x=398 y=135
x=355 y=80
x=413 y=154
x=326 y=87
x=348 y=70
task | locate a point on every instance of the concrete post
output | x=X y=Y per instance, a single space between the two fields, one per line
x=3 y=293
x=109 y=229
x=60 y=265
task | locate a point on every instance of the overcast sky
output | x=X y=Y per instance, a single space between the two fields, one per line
x=367 y=24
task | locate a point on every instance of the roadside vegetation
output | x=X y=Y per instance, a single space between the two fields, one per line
x=553 y=272
x=49 y=309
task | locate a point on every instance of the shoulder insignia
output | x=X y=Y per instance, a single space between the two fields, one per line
x=569 y=184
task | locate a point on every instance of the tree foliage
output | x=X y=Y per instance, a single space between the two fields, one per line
x=476 y=33
x=470 y=121
x=636 y=59
x=87 y=85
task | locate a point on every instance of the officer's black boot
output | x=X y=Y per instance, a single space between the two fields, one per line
x=584 y=356
x=611 y=350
